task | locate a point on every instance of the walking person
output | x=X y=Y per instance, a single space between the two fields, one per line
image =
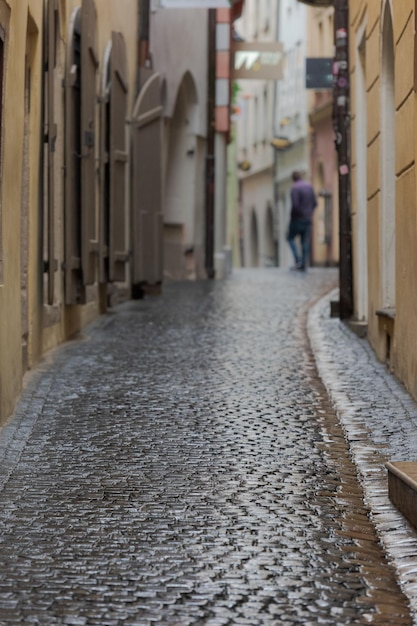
x=303 y=203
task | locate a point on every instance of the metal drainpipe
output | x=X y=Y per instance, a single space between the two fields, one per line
x=341 y=121
x=210 y=157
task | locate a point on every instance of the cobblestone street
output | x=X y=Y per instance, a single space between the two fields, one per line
x=182 y=464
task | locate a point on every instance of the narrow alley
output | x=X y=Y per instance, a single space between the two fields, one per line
x=180 y=464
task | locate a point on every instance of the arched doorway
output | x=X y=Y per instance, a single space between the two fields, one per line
x=181 y=223
x=147 y=187
x=81 y=247
x=113 y=253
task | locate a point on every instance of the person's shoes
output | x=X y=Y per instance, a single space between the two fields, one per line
x=298 y=266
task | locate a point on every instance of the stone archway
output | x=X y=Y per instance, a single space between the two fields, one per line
x=182 y=224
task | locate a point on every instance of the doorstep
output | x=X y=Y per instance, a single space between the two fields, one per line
x=402 y=488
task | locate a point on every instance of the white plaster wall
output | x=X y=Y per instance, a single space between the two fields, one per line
x=291 y=117
x=291 y=102
x=257 y=195
x=255 y=98
x=283 y=112
x=179 y=44
x=181 y=173
x=254 y=130
x=179 y=51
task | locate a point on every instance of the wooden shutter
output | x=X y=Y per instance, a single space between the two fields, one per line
x=118 y=159
x=147 y=184
x=52 y=264
x=103 y=237
x=89 y=65
x=72 y=183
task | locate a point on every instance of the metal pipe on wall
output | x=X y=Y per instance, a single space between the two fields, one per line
x=341 y=121
x=210 y=156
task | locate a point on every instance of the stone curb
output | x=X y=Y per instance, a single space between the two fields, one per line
x=380 y=422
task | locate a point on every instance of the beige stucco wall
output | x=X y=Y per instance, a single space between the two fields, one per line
x=47 y=325
x=62 y=321
x=400 y=334
x=110 y=17
x=13 y=127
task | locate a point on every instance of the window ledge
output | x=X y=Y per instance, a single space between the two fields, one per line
x=388 y=312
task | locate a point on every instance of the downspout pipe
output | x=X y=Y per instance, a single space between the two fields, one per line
x=341 y=121
x=210 y=156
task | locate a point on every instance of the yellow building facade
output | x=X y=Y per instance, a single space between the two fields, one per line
x=384 y=206
x=68 y=74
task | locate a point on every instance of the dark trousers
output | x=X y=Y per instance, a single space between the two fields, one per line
x=301 y=251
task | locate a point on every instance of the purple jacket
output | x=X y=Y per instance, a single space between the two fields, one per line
x=303 y=200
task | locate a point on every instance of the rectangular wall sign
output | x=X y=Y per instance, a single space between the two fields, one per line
x=258 y=60
x=194 y=4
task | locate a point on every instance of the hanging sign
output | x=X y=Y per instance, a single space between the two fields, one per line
x=259 y=60
x=319 y=73
x=194 y=4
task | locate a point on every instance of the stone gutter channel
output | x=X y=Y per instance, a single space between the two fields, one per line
x=379 y=422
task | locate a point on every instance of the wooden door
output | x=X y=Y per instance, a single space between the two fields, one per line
x=89 y=65
x=118 y=254
x=147 y=185
x=74 y=292
x=81 y=246
x=51 y=264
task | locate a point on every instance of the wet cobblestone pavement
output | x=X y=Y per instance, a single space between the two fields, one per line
x=181 y=464
x=379 y=419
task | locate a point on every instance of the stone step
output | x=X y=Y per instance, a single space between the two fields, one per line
x=402 y=488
